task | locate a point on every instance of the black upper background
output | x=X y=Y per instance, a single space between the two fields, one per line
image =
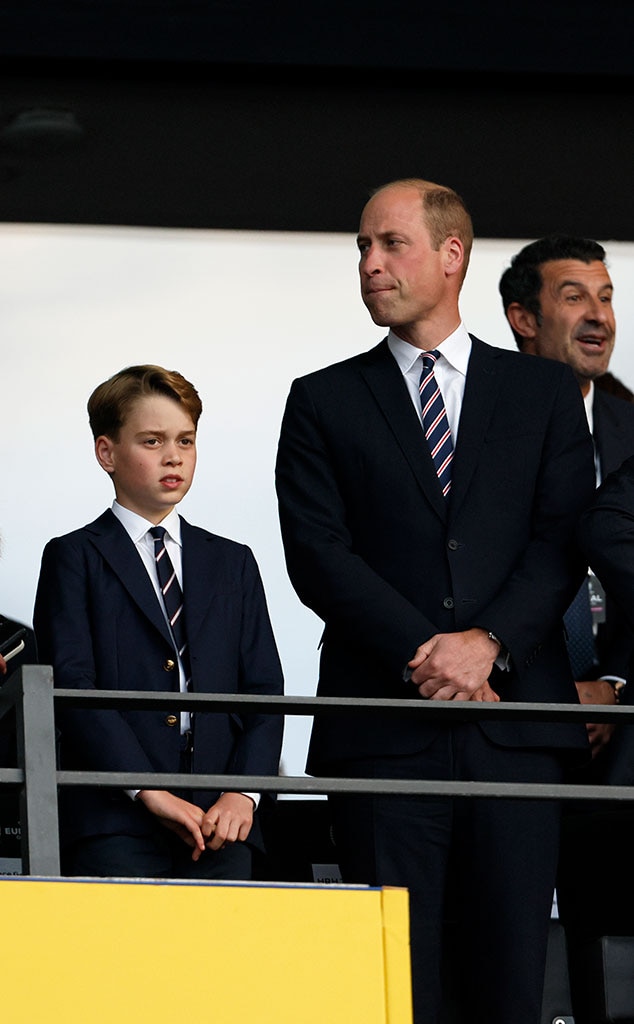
x=282 y=116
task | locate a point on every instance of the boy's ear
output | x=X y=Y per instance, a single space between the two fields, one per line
x=103 y=451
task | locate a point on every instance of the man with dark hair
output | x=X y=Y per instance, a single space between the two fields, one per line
x=441 y=561
x=522 y=283
x=557 y=296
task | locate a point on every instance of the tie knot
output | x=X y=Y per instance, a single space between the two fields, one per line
x=429 y=359
x=158 y=532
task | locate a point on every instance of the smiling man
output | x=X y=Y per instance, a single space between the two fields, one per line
x=557 y=296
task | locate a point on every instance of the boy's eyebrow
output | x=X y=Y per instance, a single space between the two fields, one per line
x=161 y=433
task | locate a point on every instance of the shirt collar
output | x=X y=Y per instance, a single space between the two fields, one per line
x=456 y=349
x=137 y=526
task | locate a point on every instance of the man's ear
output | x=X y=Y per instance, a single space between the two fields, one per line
x=453 y=251
x=522 y=322
x=104 y=451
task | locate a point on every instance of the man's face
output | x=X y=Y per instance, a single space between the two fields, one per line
x=577 y=319
x=403 y=279
x=153 y=460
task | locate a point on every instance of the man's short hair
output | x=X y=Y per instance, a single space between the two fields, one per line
x=522 y=281
x=445 y=213
x=111 y=401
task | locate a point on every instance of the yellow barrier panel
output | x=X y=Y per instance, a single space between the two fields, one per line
x=91 y=952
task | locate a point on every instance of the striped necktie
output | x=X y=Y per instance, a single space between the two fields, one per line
x=172 y=596
x=435 y=422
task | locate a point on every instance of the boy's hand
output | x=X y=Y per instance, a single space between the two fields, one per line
x=3 y=665
x=229 y=820
x=179 y=815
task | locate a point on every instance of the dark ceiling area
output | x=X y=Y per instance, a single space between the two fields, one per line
x=277 y=116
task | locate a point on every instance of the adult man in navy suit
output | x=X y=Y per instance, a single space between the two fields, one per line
x=455 y=597
x=557 y=296
x=101 y=621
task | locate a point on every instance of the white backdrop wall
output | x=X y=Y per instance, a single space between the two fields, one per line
x=240 y=314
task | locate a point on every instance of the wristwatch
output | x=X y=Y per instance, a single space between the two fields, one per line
x=618 y=686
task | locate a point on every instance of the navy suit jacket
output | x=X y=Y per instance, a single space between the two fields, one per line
x=99 y=624
x=376 y=551
x=613 y=430
x=606 y=531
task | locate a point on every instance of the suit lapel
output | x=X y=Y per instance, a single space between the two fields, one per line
x=384 y=378
x=480 y=395
x=117 y=549
x=200 y=574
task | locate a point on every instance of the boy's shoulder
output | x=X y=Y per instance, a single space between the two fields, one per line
x=197 y=536
x=106 y=523
x=109 y=536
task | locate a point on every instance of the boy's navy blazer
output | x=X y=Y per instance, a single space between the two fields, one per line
x=98 y=622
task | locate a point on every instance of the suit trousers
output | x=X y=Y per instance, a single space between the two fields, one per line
x=154 y=856
x=160 y=854
x=474 y=866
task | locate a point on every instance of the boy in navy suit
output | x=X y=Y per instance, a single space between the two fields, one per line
x=104 y=619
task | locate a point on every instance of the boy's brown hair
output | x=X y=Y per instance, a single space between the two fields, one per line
x=110 y=402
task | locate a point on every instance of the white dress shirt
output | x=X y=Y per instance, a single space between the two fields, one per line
x=450 y=371
x=588 y=401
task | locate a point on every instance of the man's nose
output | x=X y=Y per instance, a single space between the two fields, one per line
x=372 y=261
x=597 y=310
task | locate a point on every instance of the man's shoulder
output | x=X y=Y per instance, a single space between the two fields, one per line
x=619 y=408
x=350 y=365
x=526 y=371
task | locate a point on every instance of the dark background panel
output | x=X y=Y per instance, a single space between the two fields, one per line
x=280 y=116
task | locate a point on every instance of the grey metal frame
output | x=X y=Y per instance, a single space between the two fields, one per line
x=31 y=692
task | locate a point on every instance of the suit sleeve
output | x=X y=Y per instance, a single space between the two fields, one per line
x=540 y=587
x=64 y=627
x=258 y=749
x=326 y=572
x=606 y=534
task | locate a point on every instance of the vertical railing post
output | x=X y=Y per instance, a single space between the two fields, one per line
x=35 y=722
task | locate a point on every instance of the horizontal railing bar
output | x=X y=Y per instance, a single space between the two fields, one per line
x=296 y=705
x=323 y=785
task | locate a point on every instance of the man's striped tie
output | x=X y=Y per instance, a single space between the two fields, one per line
x=435 y=422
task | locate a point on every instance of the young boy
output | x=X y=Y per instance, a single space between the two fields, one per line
x=108 y=616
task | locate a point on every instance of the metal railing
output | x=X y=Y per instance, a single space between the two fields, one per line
x=31 y=693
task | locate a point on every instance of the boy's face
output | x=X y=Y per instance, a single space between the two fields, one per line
x=152 y=463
